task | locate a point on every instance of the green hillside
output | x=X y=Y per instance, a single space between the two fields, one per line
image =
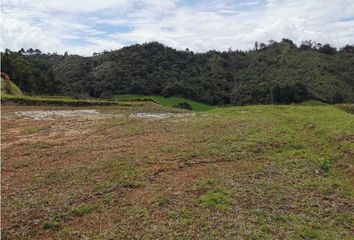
x=10 y=88
x=276 y=72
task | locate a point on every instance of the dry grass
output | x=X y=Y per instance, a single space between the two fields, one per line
x=263 y=172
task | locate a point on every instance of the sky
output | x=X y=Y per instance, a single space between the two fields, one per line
x=87 y=26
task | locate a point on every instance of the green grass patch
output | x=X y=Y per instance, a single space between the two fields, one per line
x=204 y=184
x=310 y=233
x=62 y=101
x=166 y=101
x=82 y=209
x=51 y=224
x=218 y=198
x=325 y=165
x=79 y=210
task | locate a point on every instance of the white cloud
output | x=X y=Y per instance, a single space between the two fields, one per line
x=249 y=3
x=94 y=45
x=19 y=34
x=199 y=25
x=66 y=5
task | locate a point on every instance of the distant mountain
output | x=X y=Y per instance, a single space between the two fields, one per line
x=277 y=72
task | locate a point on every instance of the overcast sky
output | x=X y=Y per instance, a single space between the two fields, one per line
x=87 y=26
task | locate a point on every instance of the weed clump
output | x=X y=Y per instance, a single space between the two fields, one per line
x=326 y=165
x=204 y=184
x=218 y=198
x=51 y=224
x=81 y=209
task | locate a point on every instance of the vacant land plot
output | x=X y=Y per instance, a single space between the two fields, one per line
x=262 y=172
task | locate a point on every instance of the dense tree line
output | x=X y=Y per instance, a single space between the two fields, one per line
x=273 y=72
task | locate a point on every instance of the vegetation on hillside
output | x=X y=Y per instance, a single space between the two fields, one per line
x=166 y=101
x=8 y=87
x=63 y=101
x=277 y=72
x=346 y=107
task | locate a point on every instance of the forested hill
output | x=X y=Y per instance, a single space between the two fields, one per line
x=277 y=72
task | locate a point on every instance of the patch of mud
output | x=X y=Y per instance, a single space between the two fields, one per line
x=160 y=116
x=51 y=115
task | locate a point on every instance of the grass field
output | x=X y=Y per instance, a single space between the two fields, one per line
x=63 y=101
x=255 y=172
x=121 y=100
x=166 y=101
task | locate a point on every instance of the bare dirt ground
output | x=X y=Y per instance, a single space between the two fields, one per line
x=142 y=173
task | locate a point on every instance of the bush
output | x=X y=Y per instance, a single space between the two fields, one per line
x=346 y=107
x=183 y=105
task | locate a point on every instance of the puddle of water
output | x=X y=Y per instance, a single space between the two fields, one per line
x=50 y=115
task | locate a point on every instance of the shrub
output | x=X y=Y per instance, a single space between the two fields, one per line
x=183 y=105
x=346 y=107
